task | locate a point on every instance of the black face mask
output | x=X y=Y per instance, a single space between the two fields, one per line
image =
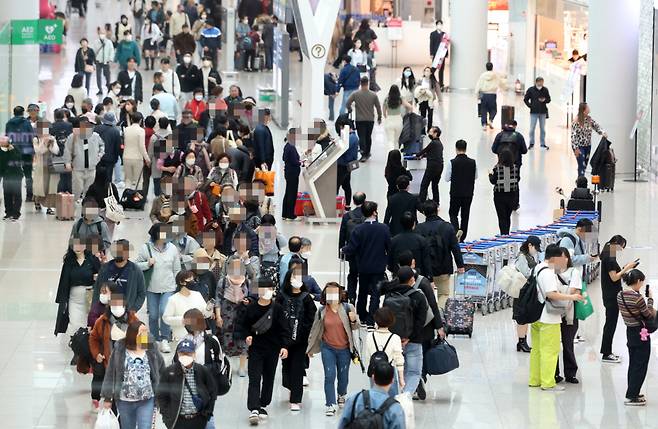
x=119 y=259
x=193 y=286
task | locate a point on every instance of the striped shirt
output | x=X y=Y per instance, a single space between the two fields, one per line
x=187 y=406
x=634 y=308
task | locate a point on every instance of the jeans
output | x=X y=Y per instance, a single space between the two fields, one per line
x=336 y=362
x=136 y=415
x=457 y=205
x=11 y=189
x=541 y=117
x=488 y=108
x=639 y=353
x=269 y=54
x=261 y=365
x=118 y=172
x=505 y=203
x=544 y=354
x=413 y=366
x=364 y=131
x=332 y=101
x=611 y=317
x=156 y=304
x=211 y=423
x=343 y=104
x=157 y=190
x=583 y=159
x=368 y=286
x=87 y=76
x=103 y=70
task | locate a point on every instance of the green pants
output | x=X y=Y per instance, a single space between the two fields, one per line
x=544 y=354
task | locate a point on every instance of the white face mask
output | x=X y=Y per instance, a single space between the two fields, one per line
x=439 y=27
x=102 y=36
x=223 y=165
x=70 y=105
x=198 y=97
x=296 y=282
x=5 y=148
x=190 y=161
x=407 y=73
x=186 y=360
x=333 y=297
x=118 y=310
x=267 y=294
x=129 y=38
x=306 y=255
x=187 y=60
x=202 y=265
x=104 y=299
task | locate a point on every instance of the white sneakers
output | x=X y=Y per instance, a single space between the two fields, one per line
x=341 y=401
x=295 y=407
x=611 y=359
x=254 y=418
x=164 y=346
x=330 y=411
x=555 y=388
x=305 y=382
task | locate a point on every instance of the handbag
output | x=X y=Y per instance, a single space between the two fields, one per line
x=441 y=358
x=584 y=309
x=263 y=324
x=196 y=399
x=113 y=210
x=56 y=165
x=354 y=165
x=89 y=68
x=651 y=325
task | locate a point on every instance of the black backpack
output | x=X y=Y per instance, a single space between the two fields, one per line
x=353 y=222
x=438 y=249
x=508 y=142
x=293 y=310
x=378 y=356
x=79 y=343
x=368 y=418
x=400 y=304
x=527 y=308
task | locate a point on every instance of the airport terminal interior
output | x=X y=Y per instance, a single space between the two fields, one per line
x=612 y=70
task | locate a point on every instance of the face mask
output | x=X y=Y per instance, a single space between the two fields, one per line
x=117 y=310
x=203 y=19
x=116 y=91
x=193 y=285
x=407 y=73
x=426 y=74
x=333 y=297
x=539 y=86
x=198 y=97
x=306 y=255
x=102 y=36
x=70 y=105
x=124 y=21
x=118 y=259
x=268 y=294
x=187 y=60
x=207 y=64
x=223 y=165
x=296 y=282
x=104 y=299
x=186 y=360
x=439 y=27
x=190 y=161
x=129 y=38
x=5 y=148
x=203 y=266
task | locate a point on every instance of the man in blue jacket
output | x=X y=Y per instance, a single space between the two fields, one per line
x=370 y=243
x=263 y=142
x=343 y=172
x=20 y=133
x=348 y=79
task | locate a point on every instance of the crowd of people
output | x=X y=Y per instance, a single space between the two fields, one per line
x=218 y=278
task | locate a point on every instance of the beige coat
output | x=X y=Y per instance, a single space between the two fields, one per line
x=44 y=183
x=134 y=141
x=317 y=330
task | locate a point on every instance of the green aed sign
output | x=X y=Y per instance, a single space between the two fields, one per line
x=36 y=31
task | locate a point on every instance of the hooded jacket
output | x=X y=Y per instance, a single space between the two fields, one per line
x=570 y=240
x=135 y=291
x=167 y=265
x=418 y=306
x=489 y=82
x=83 y=230
x=20 y=133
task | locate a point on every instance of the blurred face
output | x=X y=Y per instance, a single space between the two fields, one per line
x=223 y=162
x=236 y=272
x=187 y=119
x=234 y=92
x=120 y=251
x=131 y=65
x=333 y=295
x=208 y=240
x=357 y=44
x=116 y=300
x=241 y=244
x=143 y=337
x=78 y=247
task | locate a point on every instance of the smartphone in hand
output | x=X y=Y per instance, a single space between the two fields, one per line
x=637 y=262
x=646 y=291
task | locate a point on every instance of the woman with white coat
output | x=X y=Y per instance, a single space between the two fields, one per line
x=186 y=298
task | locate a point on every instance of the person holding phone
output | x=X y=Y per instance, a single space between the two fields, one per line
x=611 y=277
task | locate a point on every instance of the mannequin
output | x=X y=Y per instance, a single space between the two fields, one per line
x=436 y=37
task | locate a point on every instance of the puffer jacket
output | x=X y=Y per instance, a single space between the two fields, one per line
x=489 y=82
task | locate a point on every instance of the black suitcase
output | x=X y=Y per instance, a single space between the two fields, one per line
x=608 y=177
x=506 y=115
x=132 y=200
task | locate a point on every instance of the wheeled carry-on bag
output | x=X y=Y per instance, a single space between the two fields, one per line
x=64 y=206
x=506 y=115
x=459 y=314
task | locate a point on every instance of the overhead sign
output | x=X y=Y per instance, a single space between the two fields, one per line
x=36 y=31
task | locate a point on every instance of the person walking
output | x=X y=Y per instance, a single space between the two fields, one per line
x=366 y=103
x=127 y=48
x=187 y=297
x=44 y=181
x=292 y=167
x=85 y=60
x=636 y=311
x=581 y=136
x=332 y=336
x=505 y=178
x=408 y=241
x=83 y=150
x=131 y=81
x=189 y=77
x=425 y=93
x=611 y=276
x=135 y=155
x=393 y=170
x=486 y=90
x=407 y=85
x=433 y=152
x=536 y=98
x=104 y=50
x=263 y=142
x=20 y=133
x=394 y=108
x=151 y=37
x=348 y=223
x=344 y=164
x=348 y=79
x=511 y=140
x=369 y=243
x=398 y=204
x=462 y=173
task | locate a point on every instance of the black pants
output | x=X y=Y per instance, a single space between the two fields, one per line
x=441 y=72
x=432 y=176
x=611 y=317
x=65 y=183
x=638 y=361
x=427 y=112
x=364 y=131
x=463 y=205
x=249 y=56
x=290 y=196
x=102 y=70
x=97 y=380
x=11 y=189
x=27 y=172
x=344 y=179
x=261 y=366
x=292 y=371
x=506 y=203
x=368 y=286
x=198 y=422
x=489 y=107
x=146 y=180
x=568 y=333
x=352 y=280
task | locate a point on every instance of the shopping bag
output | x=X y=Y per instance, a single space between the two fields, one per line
x=584 y=309
x=113 y=210
x=106 y=420
x=407 y=404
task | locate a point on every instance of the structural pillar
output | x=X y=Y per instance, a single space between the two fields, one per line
x=612 y=73
x=468 y=42
x=24 y=59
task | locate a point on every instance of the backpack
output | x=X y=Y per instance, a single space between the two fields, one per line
x=400 y=304
x=246 y=43
x=293 y=310
x=429 y=315
x=508 y=142
x=438 y=249
x=527 y=308
x=353 y=222
x=378 y=356
x=79 y=344
x=368 y=418
x=79 y=225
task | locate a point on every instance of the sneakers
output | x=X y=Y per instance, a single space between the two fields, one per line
x=559 y=379
x=459 y=234
x=531 y=146
x=420 y=390
x=330 y=411
x=164 y=346
x=611 y=359
x=578 y=339
x=253 y=418
x=95 y=406
x=341 y=401
x=636 y=402
x=553 y=389
x=572 y=380
x=262 y=414
x=545 y=147
x=305 y=381
x=295 y=407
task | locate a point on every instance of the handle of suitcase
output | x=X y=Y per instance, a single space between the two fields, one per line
x=342 y=270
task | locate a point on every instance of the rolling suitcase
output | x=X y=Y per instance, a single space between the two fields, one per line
x=506 y=115
x=608 y=178
x=459 y=313
x=64 y=206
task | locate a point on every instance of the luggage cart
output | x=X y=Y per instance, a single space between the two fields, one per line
x=477 y=281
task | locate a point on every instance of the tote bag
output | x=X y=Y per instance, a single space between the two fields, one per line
x=584 y=309
x=113 y=210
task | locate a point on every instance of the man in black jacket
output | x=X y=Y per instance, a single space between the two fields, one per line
x=536 y=98
x=186 y=393
x=348 y=223
x=111 y=136
x=436 y=37
x=398 y=204
x=189 y=77
x=444 y=247
x=434 y=154
x=186 y=130
x=412 y=345
x=131 y=81
x=407 y=241
x=242 y=163
x=461 y=172
x=370 y=244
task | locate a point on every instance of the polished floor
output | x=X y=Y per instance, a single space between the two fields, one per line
x=489 y=390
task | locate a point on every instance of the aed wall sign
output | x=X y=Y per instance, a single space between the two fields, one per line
x=36 y=31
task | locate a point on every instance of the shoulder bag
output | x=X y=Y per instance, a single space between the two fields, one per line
x=263 y=324
x=113 y=210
